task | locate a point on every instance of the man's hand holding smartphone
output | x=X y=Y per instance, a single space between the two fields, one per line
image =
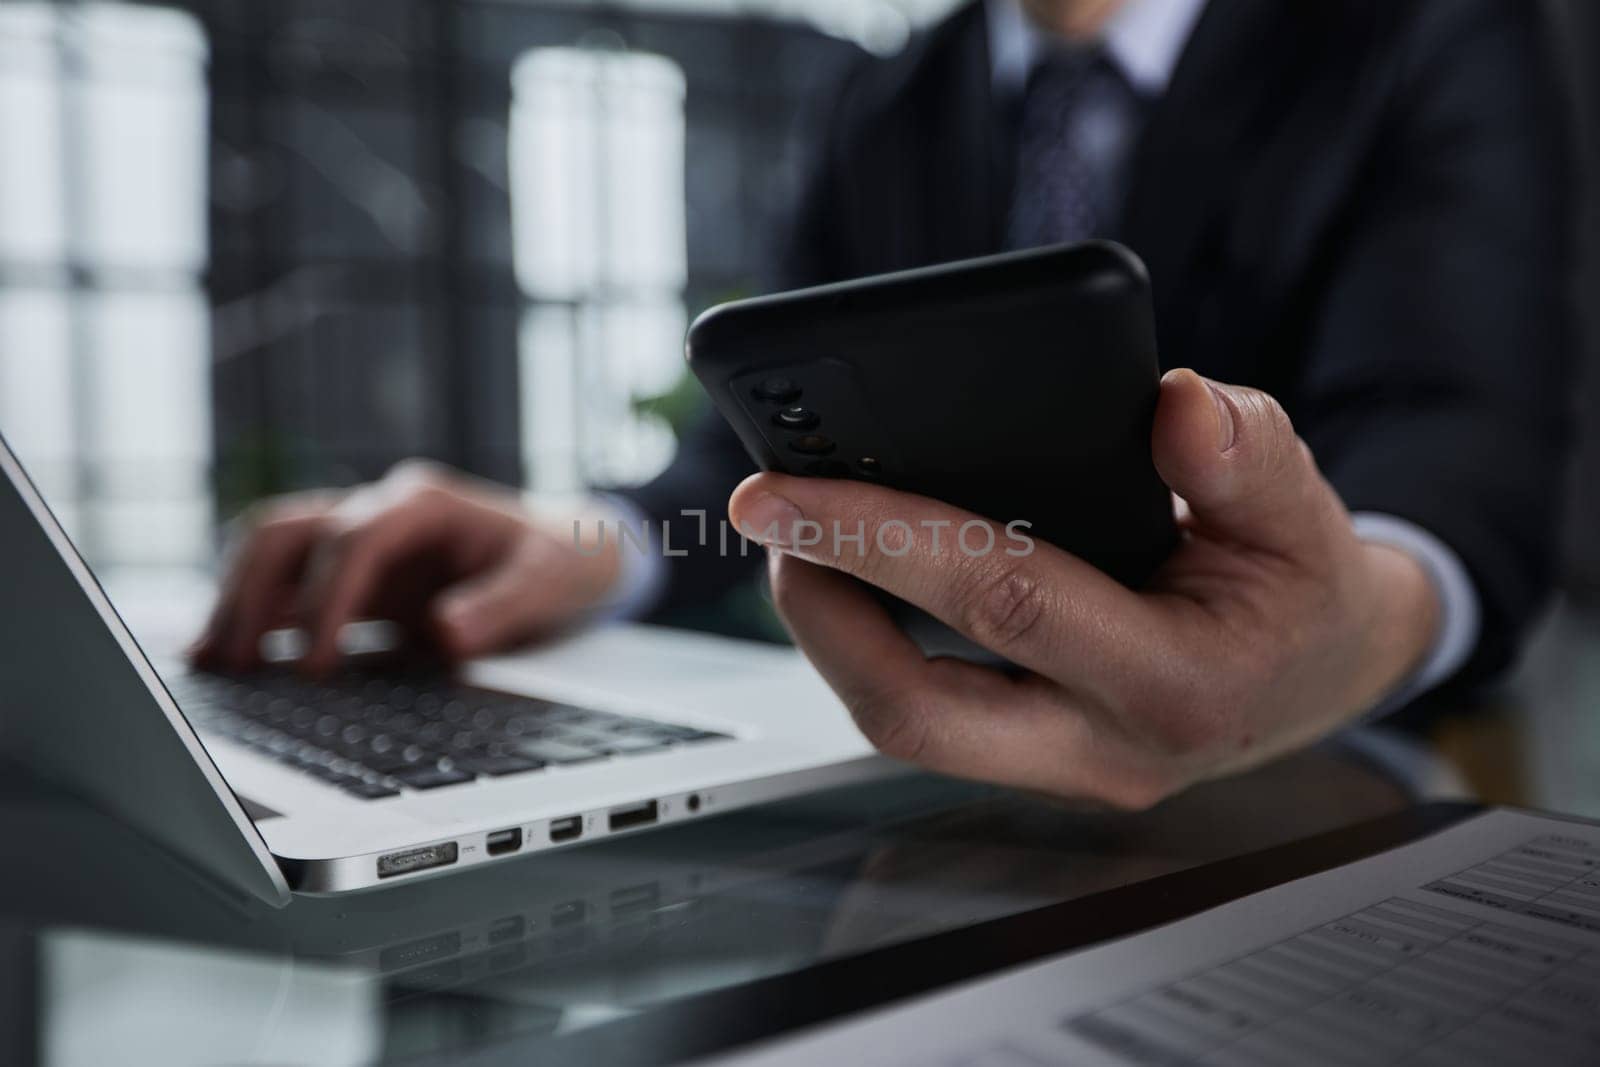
x=1272 y=624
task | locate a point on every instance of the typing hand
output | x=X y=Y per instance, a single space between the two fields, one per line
x=1270 y=626
x=457 y=562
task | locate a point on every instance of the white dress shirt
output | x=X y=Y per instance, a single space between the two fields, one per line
x=1144 y=39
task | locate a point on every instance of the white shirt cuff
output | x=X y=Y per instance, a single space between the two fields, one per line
x=1459 y=610
x=641 y=572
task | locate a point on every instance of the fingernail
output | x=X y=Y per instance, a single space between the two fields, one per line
x=459 y=621
x=1224 y=416
x=769 y=519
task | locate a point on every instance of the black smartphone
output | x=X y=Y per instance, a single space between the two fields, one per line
x=1020 y=387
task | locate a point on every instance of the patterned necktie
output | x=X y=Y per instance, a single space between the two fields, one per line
x=1055 y=198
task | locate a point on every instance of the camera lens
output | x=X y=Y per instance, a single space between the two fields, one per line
x=777 y=390
x=870 y=466
x=812 y=444
x=796 y=418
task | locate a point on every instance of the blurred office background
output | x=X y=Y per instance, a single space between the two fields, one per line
x=248 y=247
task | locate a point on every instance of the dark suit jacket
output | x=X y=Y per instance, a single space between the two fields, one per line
x=1363 y=207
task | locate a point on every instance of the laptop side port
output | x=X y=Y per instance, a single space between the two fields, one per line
x=503 y=841
x=413 y=860
x=567 y=829
x=633 y=815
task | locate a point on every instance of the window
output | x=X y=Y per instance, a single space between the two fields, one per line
x=104 y=336
x=597 y=204
x=247 y=248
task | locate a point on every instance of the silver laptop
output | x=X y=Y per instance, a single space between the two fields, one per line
x=276 y=784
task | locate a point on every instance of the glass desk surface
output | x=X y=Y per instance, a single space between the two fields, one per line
x=117 y=953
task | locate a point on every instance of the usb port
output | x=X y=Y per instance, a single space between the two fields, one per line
x=567 y=829
x=634 y=815
x=502 y=841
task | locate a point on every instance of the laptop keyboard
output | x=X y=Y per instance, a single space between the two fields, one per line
x=374 y=738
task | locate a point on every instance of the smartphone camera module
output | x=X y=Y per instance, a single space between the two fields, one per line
x=777 y=390
x=796 y=418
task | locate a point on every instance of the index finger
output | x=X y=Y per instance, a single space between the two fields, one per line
x=1028 y=601
x=951 y=716
x=259 y=587
x=359 y=559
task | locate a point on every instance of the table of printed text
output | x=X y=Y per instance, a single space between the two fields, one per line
x=1399 y=982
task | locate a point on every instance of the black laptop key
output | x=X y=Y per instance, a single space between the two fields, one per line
x=582 y=738
x=430 y=777
x=388 y=762
x=565 y=713
x=632 y=745
x=368 y=790
x=623 y=726
x=535 y=733
x=496 y=766
x=406 y=722
x=468 y=741
x=347 y=711
x=691 y=736
x=363 y=756
x=558 y=752
x=434 y=733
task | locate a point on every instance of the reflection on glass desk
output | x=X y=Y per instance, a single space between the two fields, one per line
x=117 y=953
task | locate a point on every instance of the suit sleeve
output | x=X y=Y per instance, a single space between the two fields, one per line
x=1439 y=383
x=710 y=461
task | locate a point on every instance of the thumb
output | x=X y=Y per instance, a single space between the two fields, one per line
x=511 y=602
x=1232 y=454
x=485 y=613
